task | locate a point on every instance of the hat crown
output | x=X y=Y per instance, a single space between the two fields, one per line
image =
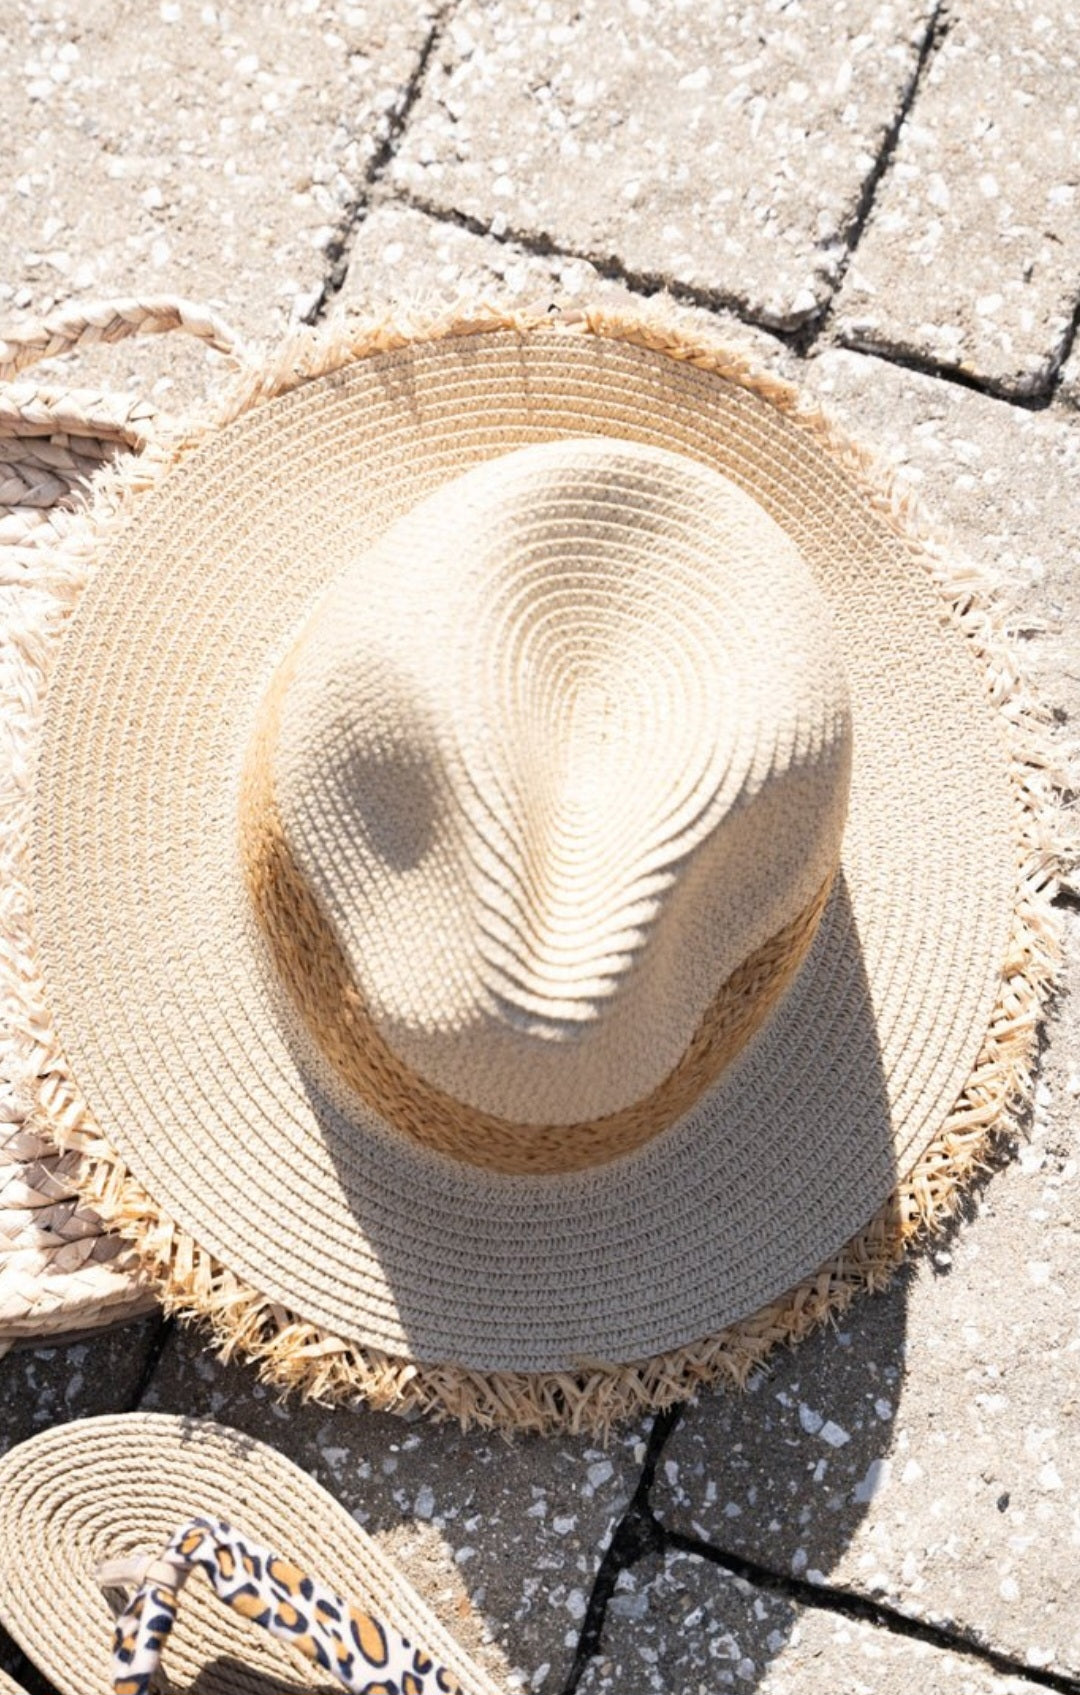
x=554 y=757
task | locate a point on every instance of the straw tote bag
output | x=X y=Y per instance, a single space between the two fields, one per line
x=60 y=1272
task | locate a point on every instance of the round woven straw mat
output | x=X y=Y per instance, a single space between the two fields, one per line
x=8 y=1686
x=59 y=1271
x=344 y=1256
x=105 y=1488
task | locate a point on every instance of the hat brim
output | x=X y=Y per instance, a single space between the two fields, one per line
x=187 y=1053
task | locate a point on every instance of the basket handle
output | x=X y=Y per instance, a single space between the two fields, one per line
x=86 y=325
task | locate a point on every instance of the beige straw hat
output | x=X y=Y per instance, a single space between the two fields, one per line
x=90 y=1511
x=60 y=1272
x=541 y=868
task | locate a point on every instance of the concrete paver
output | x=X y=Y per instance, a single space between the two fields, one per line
x=40 y=1387
x=971 y=256
x=959 y=1509
x=503 y=1539
x=719 y=146
x=404 y=256
x=684 y=1625
x=190 y=148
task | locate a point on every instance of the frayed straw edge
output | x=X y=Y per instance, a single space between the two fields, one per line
x=292 y=1353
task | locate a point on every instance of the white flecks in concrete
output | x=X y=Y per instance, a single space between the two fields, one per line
x=691 y=143
x=961 y=1506
x=702 y=1632
x=972 y=249
x=876 y=1479
x=213 y=157
x=45 y=1386
x=501 y=1539
x=576 y=1604
x=834 y=1434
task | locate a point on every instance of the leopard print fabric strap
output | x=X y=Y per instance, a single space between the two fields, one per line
x=354 y=1646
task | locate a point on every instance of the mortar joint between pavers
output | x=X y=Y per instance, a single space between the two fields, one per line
x=860 y=1609
x=1063 y=352
x=158 y=1343
x=540 y=245
x=340 y=245
x=637 y=1534
x=937 y=27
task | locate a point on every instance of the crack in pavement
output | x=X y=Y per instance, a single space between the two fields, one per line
x=1065 y=347
x=647 y=284
x=340 y=246
x=157 y=1345
x=637 y=1533
x=799 y=336
x=937 y=27
x=640 y=1533
x=540 y=245
x=1036 y=400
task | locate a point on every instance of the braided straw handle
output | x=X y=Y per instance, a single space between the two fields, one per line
x=65 y=434
x=109 y=321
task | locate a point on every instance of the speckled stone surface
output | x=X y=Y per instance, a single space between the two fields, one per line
x=504 y=1539
x=940 y=1477
x=711 y=144
x=684 y=1625
x=402 y=257
x=971 y=256
x=189 y=147
x=40 y=1387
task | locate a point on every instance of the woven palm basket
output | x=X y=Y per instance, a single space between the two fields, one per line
x=61 y=1273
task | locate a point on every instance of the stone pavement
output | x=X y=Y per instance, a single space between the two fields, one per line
x=880 y=197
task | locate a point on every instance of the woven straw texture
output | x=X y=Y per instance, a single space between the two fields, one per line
x=262 y=1190
x=104 y=1488
x=8 y=1686
x=592 y=609
x=60 y=1273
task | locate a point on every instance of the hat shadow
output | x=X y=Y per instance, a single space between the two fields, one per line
x=793 y=1463
x=396 y=1252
